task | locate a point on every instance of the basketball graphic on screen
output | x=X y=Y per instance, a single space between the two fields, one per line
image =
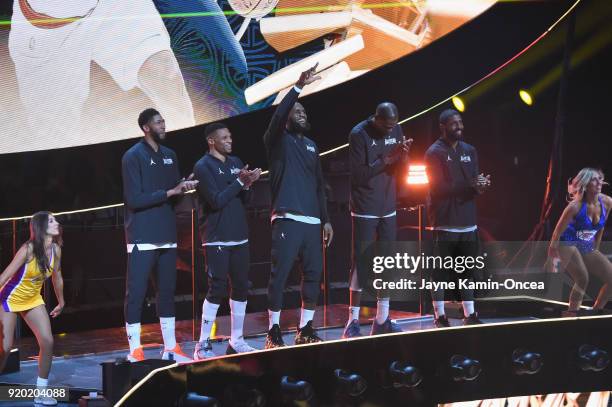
x=253 y=8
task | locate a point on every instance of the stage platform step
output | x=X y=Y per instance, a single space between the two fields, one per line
x=113 y=339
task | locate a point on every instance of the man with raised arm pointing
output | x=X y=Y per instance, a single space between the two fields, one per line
x=299 y=209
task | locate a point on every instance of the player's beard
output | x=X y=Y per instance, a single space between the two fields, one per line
x=296 y=127
x=158 y=137
x=455 y=136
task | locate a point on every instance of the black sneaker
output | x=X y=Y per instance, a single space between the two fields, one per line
x=387 y=327
x=274 y=339
x=306 y=335
x=472 y=319
x=441 y=322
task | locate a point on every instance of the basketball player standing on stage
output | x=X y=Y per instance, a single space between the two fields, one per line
x=454 y=183
x=377 y=148
x=150 y=181
x=299 y=209
x=223 y=185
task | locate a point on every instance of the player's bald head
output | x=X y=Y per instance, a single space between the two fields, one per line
x=385 y=118
x=386 y=110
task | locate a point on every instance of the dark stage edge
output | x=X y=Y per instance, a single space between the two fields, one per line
x=78 y=355
x=84 y=371
x=82 y=353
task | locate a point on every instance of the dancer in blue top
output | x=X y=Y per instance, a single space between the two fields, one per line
x=577 y=237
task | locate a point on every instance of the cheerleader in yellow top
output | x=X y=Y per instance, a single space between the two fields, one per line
x=21 y=283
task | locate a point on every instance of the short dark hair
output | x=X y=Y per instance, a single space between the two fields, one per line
x=447 y=114
x=145 y=116
x=211 y=128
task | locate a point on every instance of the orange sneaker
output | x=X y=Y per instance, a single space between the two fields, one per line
x=137 y=355
x=177 y=355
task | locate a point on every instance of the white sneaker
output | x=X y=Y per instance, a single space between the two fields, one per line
x=45 y=401
x=203 y=350
x=176 y=354
x=240 y=346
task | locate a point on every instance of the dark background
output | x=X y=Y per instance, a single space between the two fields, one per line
x=513 y=141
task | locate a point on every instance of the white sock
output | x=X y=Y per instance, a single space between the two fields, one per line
x=305 y=316
x=238 y=312
x=353 y=314
x=133 y=334
x=468 y=308
x=382 y=310
x=273 y=318
x=209 y=314
x=438 y=308
x=167 y=328
x=41 y=383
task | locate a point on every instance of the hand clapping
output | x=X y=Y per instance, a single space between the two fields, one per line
x=248 y=177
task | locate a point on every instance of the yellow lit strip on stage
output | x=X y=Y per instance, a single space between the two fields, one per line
x=547 y=31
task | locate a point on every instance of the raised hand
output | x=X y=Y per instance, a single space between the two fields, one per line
x=308 y=76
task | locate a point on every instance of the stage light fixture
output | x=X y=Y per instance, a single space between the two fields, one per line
x=464 y=368
x=404 y=375
x=293 y=389
x=525 y=362
x=458 y=103
x=417 y=175
x=526 y=97
x=349 y=384
x=592 y=358
x=193 y=399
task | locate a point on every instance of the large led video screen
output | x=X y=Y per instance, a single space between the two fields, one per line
x=78 y=72
x=592 y=399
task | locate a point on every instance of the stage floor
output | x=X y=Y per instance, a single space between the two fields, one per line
x=79 y=355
